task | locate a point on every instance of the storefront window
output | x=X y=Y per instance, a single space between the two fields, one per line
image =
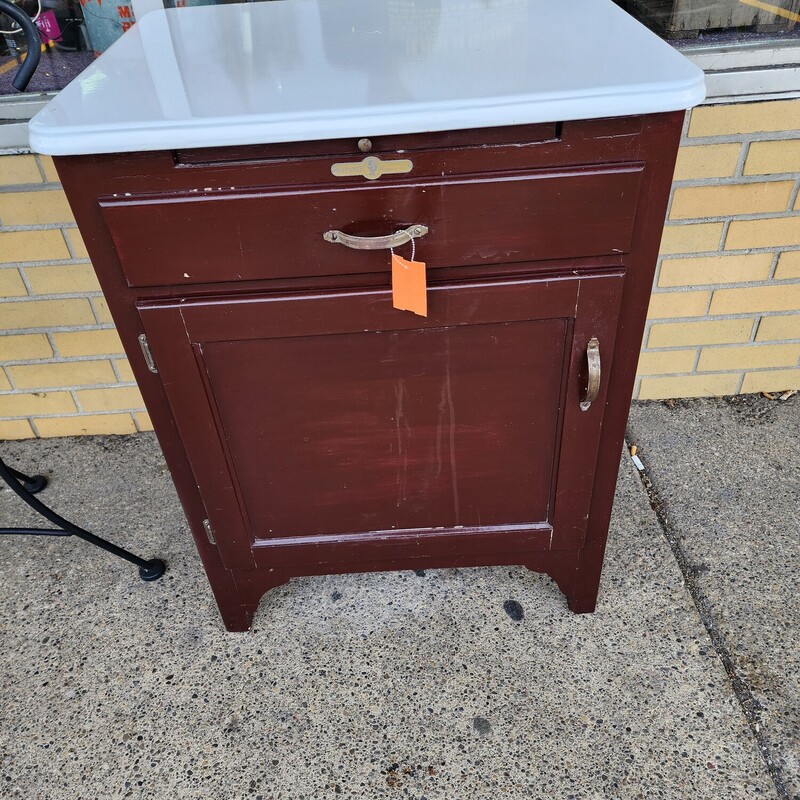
x=73 y=33
x=721 y=20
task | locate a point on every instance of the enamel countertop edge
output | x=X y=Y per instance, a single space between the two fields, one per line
x=99 y=140
x=330 y=82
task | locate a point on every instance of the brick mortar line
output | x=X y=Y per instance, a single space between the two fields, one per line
x=696 y=287
x=57 y=329
x=679 y=223
x=775 y=250
x=59 y=359
x=115 y=367
x=687 y=119
x=734 y=180
x=723 y=238
x=95 y=308
x=794 y=194
x=65 y=296
x=75 y=360
x=773 y=267
x=19 y=188
x=25 y=265
x=761 y=215
x=79 y=410
x=33 y=227
x=708 y=303
x=713 y=287
x=87 y=295
x=721 y=345
x=52 y=262
x=728 y=285
x=72 y=415
x=71 y=249
x=669 y=203
x=105 y=326
x=24 y=278
x=747 y=701
x=754 y=331
x=749 y=137
x=744 y=153
x=70 y=387
x=742 y=251
x=42 y=171
x=711 y=372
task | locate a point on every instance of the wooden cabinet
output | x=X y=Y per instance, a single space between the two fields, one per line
x=311 y=427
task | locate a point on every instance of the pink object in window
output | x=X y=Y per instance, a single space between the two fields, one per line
x=48 y=25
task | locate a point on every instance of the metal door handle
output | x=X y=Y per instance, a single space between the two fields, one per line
x=376 y=242
x=593 y=368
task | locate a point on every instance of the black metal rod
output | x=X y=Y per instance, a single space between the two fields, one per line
x=37 y=505
x=32 y=39
x=33 y=532
x=21 y=476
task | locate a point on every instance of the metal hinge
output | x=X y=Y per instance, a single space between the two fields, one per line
x=209 y=531
x=148 y=355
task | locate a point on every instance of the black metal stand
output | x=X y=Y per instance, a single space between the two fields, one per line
x=26 y=486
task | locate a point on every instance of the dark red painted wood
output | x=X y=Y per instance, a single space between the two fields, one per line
x=336 y=416
x=581 y=479
x=613 y=141
x=379 y=145
x=276 y=233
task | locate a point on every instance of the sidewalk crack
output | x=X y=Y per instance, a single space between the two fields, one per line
x=749 y=704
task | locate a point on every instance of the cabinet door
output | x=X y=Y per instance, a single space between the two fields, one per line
x=333 y=429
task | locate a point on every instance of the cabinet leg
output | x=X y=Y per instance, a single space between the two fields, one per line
x=238 y=607
x=238 y=618
x=583 y=598
x=576 y=573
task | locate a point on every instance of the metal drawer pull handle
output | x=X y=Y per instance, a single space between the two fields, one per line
x=376 y=242
x=593 y=363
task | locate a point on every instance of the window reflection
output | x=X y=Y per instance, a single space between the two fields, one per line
x=720 y=19
x=74 y=32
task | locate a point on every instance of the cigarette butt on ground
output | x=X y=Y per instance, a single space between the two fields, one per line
x=637 y=462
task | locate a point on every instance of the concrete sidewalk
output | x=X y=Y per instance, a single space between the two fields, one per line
x=683 y=684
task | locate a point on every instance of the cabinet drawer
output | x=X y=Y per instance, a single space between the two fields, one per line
x=215 y=236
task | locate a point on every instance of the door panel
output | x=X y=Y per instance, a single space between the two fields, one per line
x=391 y=429
x=317 y=422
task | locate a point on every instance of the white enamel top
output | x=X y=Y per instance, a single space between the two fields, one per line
x=296 y=70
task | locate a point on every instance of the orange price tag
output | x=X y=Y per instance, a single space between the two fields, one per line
x=409 y=286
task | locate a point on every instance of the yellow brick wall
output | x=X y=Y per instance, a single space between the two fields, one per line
x=62 y=368
x=725 y=312
x=724 y=316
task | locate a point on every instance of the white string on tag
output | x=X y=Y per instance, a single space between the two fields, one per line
x=413 y=251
